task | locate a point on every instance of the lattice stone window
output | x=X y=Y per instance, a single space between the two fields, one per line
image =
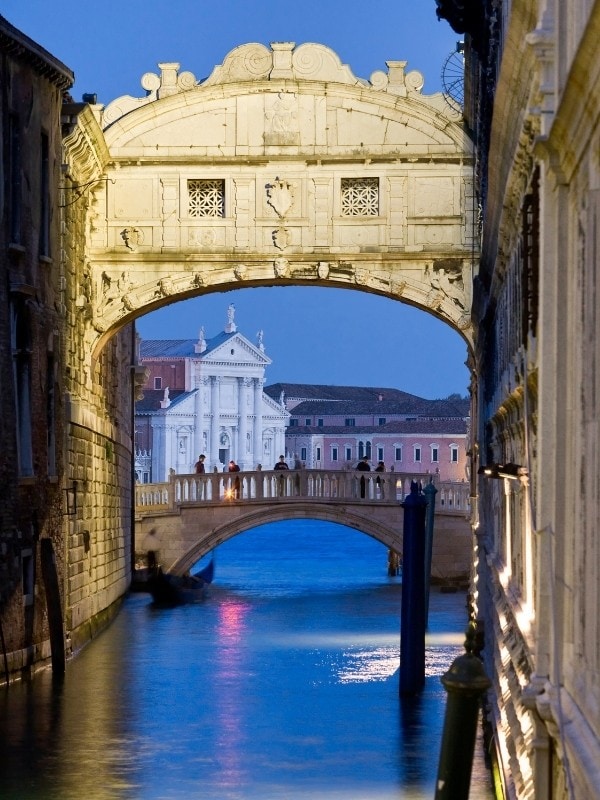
x=360 y=197
x=206 y=198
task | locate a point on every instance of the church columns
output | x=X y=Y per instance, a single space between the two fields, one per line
x=242 y=451
x=214 y=428
x=158 y=453
x=258 y=422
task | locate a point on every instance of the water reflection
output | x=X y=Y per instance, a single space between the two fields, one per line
x=257 y=693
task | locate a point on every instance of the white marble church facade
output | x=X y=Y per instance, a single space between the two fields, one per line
x=206 y=396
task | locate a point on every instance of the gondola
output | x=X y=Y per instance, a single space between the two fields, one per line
x=176 y=590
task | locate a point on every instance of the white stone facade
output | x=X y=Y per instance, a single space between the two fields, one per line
x=206 y=397
x=538 y=363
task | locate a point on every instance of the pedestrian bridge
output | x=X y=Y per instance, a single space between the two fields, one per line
x=190 y=515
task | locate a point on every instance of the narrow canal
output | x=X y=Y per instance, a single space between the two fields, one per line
x=282 y=684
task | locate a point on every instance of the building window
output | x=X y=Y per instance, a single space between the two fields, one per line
x=453 y=454
x=293 y=423
x=364 y=449
x=206 y=198
x=360 y=197
x=14 y=179
x=334 y=453
x=348 y=454
x=318 y=453
x=158 y=383
x=303 y=454
x=320 y=423
x=380 y=454
x=45 y=196
x=307 y=421
x=398 y=453
x=382 y=421
x=349 y=422
x=435 y=453
x=417 y=452
x=27 y=576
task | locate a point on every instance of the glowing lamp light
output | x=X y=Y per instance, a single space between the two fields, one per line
x=509 y=470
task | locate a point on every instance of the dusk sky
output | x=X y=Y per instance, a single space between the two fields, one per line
x=312 y=335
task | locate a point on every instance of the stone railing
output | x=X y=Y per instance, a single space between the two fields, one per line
x=287 y=485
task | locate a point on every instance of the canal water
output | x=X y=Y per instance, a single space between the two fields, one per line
x=282 y=684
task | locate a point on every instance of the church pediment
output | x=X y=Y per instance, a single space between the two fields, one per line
x=237 y=350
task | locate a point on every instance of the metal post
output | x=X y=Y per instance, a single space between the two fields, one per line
x=412 y=624
x=465 y=683
x=430 y=492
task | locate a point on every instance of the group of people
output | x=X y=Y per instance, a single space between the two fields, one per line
x=364 y=466
x=233 y=467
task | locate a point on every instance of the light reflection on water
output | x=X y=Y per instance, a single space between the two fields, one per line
x=256 y=693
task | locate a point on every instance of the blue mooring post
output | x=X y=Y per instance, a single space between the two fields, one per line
x=430 y=492
x=465 y=682
x=412 y=621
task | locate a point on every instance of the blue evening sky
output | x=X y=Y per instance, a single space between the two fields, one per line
x=312 y=335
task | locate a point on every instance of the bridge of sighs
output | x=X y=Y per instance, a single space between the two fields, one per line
x=280 y=168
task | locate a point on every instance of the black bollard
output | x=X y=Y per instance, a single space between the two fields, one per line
x=465 y=683
x=430 y=492
x=412 y=623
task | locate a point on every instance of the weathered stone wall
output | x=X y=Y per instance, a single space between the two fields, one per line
x=537 y=308
x=31 y=427
x=98 y=410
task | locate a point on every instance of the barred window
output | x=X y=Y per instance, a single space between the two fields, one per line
x=206 y=198
x=360 y=197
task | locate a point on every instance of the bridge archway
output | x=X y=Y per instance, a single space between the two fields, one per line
x=387 y=535
x=280 y=168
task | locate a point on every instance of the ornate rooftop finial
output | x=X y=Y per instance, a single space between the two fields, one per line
x=231 y=326
x=200 y=345
x=259 y=340
x=166 y=401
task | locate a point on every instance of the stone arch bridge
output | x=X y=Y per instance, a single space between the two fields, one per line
x=281 y=167
x=192 y=514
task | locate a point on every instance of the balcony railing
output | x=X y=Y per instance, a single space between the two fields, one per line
x=288 y=485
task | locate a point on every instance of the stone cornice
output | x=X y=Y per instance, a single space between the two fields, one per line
x=514 y=126
x=84 y=149
x=576 y=120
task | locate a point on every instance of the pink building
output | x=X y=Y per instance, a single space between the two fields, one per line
x=334 y=427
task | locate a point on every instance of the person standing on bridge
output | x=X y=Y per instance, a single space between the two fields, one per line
x=363 y=466
x=281 y=464
x=233 y=467
x=379 y=481
x=200 y=465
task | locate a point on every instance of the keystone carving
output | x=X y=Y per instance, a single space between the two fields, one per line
x=281 y=267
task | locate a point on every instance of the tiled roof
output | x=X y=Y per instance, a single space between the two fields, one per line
x=179 y=348
x=411 y=405
x=409 y=426
x=150 y=403
x=315 y=392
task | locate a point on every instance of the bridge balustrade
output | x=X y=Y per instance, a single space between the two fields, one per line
x=282 y=486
